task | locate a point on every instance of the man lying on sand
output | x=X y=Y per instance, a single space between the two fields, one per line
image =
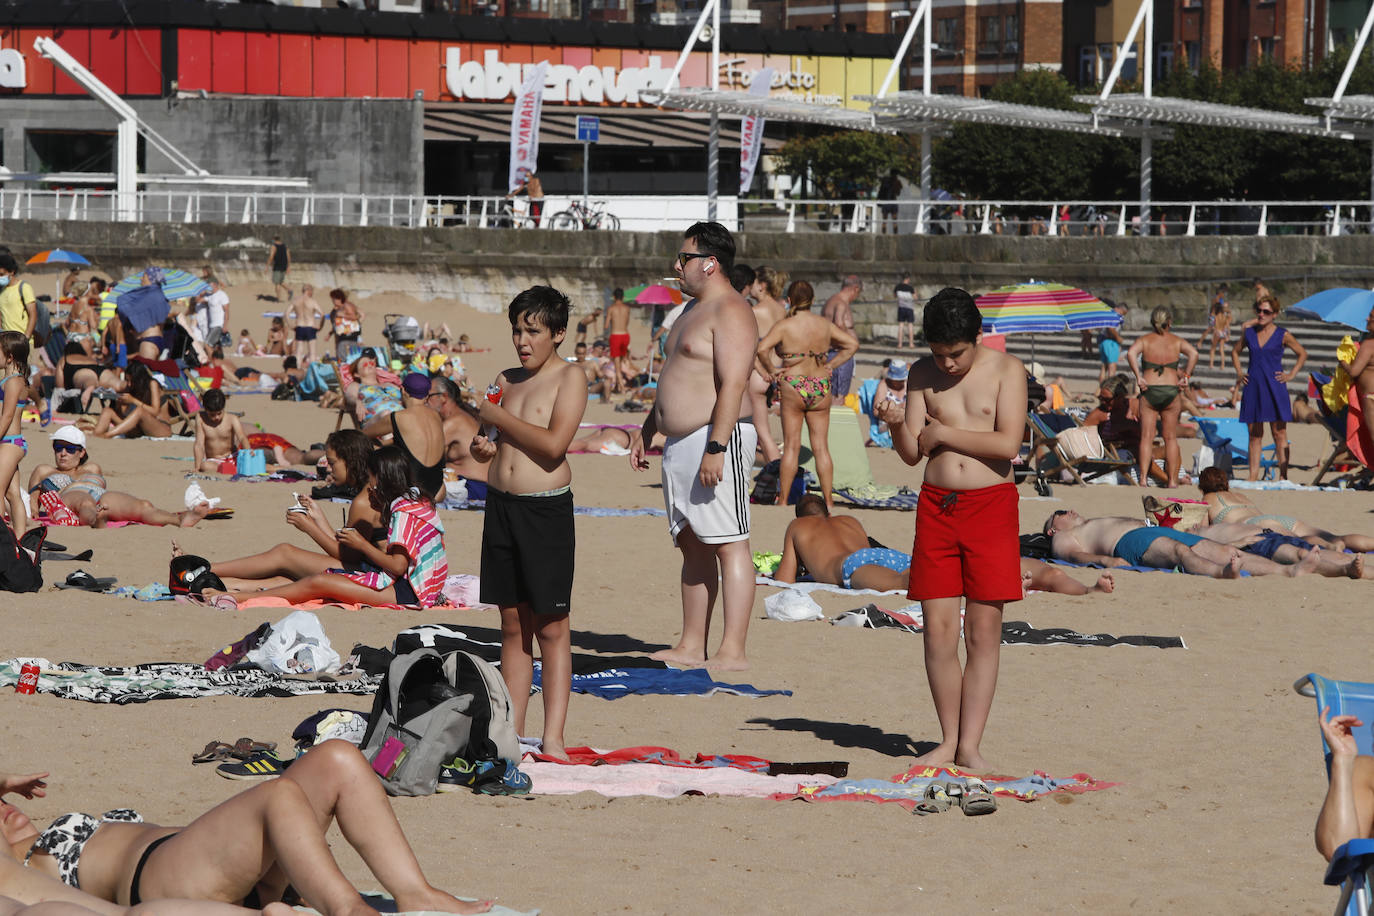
x=836 y=549
x=1284 y=548
x=80 y=486
x=1118 y=541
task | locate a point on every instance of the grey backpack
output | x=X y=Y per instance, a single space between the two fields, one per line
x=431 y=708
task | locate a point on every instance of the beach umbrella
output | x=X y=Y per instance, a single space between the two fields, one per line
x=57 y=257
x=653 y=294
x=1045 y=308
x=176 y=284
x=1343 y=305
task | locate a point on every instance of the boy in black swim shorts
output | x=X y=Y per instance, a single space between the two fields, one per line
x=529 y=417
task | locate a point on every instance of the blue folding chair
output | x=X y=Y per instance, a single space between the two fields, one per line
x=1229 y=436
x=1352 y=866
x=880 y=437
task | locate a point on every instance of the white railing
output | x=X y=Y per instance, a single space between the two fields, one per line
x=1047 y=218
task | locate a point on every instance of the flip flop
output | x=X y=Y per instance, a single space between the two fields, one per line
x=226 y=602
x=977 y=798
x=87 y=582
x=214 y=752
x=244 y=748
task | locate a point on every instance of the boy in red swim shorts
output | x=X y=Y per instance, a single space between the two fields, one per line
x=966 y=413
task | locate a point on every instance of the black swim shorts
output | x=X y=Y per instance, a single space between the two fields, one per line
x=527 y=551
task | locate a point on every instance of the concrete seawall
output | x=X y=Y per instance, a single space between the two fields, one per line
x=486 y=267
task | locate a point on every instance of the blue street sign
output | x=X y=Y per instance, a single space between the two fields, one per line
x=588 y=128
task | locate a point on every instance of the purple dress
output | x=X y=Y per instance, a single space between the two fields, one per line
x=1265 y=399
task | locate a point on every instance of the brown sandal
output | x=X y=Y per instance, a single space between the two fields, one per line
x=215 y=752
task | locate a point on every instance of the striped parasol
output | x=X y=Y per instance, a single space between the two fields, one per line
x=1043 y=308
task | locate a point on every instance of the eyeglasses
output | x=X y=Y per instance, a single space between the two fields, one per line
x=684 y=256
x=1264 y=311
x=66 y=447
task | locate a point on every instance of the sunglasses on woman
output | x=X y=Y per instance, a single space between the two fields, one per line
x=66 y=447
x=1260 y=311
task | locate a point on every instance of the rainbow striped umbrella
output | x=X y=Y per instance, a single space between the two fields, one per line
x=1043 y=308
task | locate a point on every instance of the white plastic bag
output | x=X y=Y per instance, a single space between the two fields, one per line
x=790 y=604
x=296 y=645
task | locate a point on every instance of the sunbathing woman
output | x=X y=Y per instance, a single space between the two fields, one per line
x=802 y=341
x=347 y=451
x=1225 y=506
x=139 y=411
x=1348 y=810
x=80 y=486
x=367 y=396
x=14 y=386
x=418 y=431
x=78 y=371
x=409 y=569
x=1154 y=360
x=250 y=848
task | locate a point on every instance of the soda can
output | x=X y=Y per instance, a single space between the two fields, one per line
x=494 y=393
x=28 y=679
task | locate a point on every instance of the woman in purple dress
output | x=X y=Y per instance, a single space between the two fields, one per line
x=1265 y=398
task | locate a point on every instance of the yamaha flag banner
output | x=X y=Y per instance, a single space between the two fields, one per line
x=751 y=131
x=524 y=126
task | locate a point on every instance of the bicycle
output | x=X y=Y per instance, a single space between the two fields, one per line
x=512 y=215
x=578 y=216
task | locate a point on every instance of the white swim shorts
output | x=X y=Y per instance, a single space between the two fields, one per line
x=716 y=515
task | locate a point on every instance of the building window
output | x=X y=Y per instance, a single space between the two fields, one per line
x=946 y=35
x=989 y=34
x=1105 y=55
x=1266 y=48
x=1087 y=65
x=1011 y=33
x=1130 y=65
x=1193 y=49
x=1164 y=59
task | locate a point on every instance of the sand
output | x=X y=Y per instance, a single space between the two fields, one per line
x=1217 y=759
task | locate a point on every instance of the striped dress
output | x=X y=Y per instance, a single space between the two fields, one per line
x=416 y=527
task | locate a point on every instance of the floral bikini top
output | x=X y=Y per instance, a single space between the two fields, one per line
x=66 y=838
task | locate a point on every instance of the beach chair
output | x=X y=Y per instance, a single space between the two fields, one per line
x=1229 y=436
x=1053 y=453
x=879 y=437
x=177 y=393
x=1352 y=867
x=1335 y=426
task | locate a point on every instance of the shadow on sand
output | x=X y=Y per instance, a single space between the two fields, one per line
x=613 y=642
x=846 y=734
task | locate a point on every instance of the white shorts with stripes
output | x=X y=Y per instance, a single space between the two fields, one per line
x=716 y=515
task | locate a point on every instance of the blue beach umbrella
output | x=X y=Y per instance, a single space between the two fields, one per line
x=59 y=256
x=176 y=284
x=1343 y=305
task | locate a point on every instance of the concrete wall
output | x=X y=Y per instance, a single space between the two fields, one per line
x=367 y=146
x=486 y=268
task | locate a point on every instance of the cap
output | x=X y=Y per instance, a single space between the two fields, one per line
x=1037 y=369
x=70 y=434
x=897 y=370
x=416 y=385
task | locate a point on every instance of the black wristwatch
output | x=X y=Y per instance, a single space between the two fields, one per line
x=714 y=448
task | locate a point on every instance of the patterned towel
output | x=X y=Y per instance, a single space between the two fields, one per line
x=880 y=497
x=1014 y=632
x=906 y=789
x=165 y=681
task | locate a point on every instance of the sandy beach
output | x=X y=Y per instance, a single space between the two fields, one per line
x=1218 y=761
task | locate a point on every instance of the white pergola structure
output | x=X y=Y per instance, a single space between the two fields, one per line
x=1359 y=108
x=126 y=177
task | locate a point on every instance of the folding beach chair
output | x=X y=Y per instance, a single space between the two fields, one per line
x=1335 y=426
x=177 y=393
x=1229 y=436
x=879 y=437
x=1352 y=866
x=1052 y=453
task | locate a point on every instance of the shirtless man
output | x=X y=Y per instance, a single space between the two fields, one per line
x=218 y=434
x=80 y=485
x=306 y=316
x=618 y=324
x=838 y=308
x=767 y=312
x=1285 y=548
x=460 y=428
x=703 y=409
x=835 y=549
x=1361 y=369
x=1118 y=541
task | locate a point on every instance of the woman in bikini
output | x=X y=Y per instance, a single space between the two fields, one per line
x=82 y=493
x=802 y=341
x=139 y=411
x=14 y=385
x=276 y=337
x=1154 y=360
x=80 y=324
x=418 y=431
x=1224 y=506
x=766 y=291
x=78 y=371
x=408 y=569
x=257 y=847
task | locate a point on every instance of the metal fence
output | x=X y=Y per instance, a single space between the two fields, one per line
x=1047 y=218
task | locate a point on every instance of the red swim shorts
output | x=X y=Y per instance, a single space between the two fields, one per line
x=967 y=544
x=620 y=345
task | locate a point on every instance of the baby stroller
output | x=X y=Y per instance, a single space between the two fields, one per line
x=402 y=333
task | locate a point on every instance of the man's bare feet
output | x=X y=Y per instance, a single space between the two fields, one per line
x=679 y=656
x=1106 y=583
x=195 y=515
x=726 y=663
x=176 y=550
x=1356 y=569
x=439 y=902
x=1025 y=583
x=1309 y=563
x=1232 y=569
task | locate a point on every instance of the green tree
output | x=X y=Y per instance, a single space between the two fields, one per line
x=846 y=164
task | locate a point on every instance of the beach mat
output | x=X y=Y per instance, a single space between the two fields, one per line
x=808 y=587
x=846 y=440
x=1014 y=632
x=907 y=789
x=875 y=496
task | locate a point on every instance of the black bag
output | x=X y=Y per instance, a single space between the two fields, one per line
x=190 y=575
x=284 y=392
x=1036 y=546
x=20 y=560
x=767 y=483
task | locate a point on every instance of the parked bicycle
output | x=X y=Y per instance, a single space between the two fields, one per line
x=578 y=216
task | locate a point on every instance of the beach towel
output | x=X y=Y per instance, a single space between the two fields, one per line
x=876 y=496
x=658 y=781
x=846 y=440
x=124 y=684
x=1014 y=632
x=606 y=676
x=906 y=789
x=480 y=505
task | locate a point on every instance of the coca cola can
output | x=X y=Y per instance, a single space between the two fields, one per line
x=28 y=679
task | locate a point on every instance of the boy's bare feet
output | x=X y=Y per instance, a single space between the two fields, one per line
x=726 y=663
x=438 y=901
x=940 y=756
x=680 y=657
x=1106 y=583
x=1307 y=564
x=195 y=515
x=553 y=749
